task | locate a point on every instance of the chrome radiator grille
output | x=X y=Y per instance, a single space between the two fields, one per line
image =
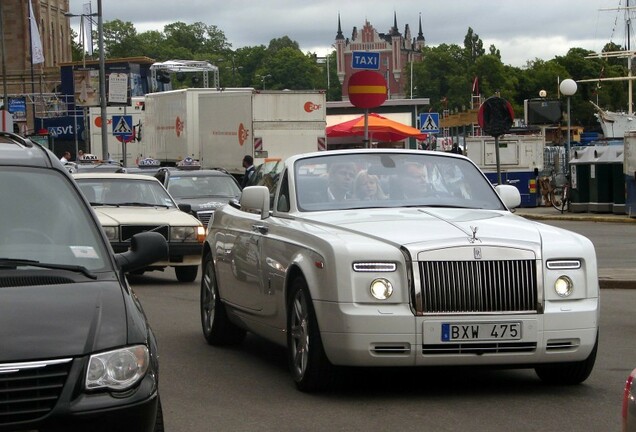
x=29 y=391
x=477 y=286
x=204 y=216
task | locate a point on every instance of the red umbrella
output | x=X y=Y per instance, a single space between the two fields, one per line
x=380 y=129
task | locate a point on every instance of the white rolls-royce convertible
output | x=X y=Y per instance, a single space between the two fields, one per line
x=398 y=258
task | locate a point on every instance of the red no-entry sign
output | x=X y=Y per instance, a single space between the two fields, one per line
x=367 y=89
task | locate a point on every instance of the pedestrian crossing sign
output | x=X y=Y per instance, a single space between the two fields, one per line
x=429 y=122
x=122 y=126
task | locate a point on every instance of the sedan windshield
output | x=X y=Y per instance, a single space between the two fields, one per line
x=367 y=180
x=203 y=186
x=125 y=192
x=45 y=222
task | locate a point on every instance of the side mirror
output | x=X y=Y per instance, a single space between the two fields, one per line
x=510 y=195
x=185 y=207
x=146 y=248
x=255 y=199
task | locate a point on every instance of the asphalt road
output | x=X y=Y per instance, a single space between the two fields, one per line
x=248 y=388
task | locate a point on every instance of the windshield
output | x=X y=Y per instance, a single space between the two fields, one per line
x=125 y=192
x=203 y=187
x=366 y=180
x=44 y=219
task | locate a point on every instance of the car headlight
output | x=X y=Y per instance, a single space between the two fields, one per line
x=187 y=234
x=112 y=233
x=374 y=266
x=381 y=289
x=563 y=286
x=117 y=370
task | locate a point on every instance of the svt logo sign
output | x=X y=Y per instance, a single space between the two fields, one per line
x=365 y=60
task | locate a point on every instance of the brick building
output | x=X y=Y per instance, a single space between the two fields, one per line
x=18 y=77
x=397 y=52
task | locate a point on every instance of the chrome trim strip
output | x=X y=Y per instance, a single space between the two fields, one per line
x=15 y=367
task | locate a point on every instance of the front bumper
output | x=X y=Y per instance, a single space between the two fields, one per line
x=390 y=335
x=98 y=411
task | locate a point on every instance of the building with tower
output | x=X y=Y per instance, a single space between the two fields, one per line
x=397 y=53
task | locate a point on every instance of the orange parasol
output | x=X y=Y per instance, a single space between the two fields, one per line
x=380 y=129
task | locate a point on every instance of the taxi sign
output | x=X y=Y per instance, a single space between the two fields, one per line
x=365 y=60
x=189 y=164
x=149 y=163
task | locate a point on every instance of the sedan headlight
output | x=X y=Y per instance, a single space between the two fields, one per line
x=112 y=233
x=187 y=234
x=381 y=289
x=563 y=286
x=117 y=370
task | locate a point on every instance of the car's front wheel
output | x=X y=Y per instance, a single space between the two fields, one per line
x=217 y=327
x=308 y=362
x=186 y=273
x=568 y=373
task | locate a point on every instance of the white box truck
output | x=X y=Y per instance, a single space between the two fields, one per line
x=220 y=127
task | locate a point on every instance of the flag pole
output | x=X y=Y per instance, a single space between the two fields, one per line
x=31 y=17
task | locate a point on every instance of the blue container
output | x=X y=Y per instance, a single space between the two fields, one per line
x=525 y=181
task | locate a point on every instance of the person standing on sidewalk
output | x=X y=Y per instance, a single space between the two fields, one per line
x=248 y=164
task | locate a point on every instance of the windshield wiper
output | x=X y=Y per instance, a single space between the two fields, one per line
x=140 y=204
x=13 y=263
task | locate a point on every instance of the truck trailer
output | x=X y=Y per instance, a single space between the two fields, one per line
x=219 y=127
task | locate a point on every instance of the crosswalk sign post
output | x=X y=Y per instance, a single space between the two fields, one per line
x=429 y=123
x=122 y=126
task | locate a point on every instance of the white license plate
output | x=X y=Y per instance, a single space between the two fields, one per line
x=452 y=332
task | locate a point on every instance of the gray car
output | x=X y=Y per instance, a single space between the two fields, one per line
x=205 y=190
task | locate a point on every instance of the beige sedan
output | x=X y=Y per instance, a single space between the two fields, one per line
x=127 y=204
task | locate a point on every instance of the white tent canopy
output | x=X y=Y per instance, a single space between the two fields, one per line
x=187 y=66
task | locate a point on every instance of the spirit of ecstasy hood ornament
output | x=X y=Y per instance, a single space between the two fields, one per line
x=474 y=238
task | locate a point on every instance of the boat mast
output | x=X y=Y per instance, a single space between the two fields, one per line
x=618 y=54
x=628 y=21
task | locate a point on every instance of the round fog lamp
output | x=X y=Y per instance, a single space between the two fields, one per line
x=381 y=289
x=563 y=286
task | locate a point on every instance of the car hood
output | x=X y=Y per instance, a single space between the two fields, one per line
x=411 y=226
x=144 y=216
x=62 y=320
x=206 y=203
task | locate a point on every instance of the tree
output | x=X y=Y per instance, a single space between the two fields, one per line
x=120 y=39
x=77 y=51
x=290 y=69
x=473 y=46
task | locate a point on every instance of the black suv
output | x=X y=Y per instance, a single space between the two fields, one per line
x=76 y=350
x=204 y=189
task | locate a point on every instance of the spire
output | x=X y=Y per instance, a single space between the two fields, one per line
x=420 y=35
x=394 y=29
x=339 y=35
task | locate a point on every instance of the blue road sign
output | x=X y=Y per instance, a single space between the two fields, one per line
x=365 y=60
x=429 y=122
x=122 y=126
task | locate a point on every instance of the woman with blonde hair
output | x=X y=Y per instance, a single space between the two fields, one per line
x=367 y=187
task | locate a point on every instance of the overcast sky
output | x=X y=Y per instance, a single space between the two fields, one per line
x=521 y=29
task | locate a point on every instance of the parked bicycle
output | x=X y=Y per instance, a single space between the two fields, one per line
x=555 y=191
x=561 y=193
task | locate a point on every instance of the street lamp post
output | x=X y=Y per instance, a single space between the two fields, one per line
x=102 y=76
x=263 y=78
x=568 y=88
x=102 y=80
